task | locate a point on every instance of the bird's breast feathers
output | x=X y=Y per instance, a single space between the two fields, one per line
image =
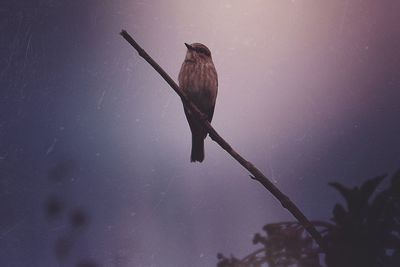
x=199 y=80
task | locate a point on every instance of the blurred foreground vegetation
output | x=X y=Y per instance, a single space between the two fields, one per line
x=365 y=232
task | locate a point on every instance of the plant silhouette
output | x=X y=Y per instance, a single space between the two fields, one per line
x=59 y=212
x=366 y=233
x=363 y=233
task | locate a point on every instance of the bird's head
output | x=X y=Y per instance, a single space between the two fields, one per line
x=197 y=51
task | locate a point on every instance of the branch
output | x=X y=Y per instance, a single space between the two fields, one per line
x=256 y=174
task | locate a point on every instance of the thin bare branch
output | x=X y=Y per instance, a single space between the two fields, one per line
x=256 y=174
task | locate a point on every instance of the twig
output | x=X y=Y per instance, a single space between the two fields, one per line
x=256 y=174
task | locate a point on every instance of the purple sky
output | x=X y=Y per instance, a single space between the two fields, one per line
x=308 y=91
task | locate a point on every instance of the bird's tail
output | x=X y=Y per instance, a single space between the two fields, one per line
x=197 y=148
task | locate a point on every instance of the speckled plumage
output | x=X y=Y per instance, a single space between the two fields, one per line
x=198 y=79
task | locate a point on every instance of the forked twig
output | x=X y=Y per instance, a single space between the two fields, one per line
x=256 y=174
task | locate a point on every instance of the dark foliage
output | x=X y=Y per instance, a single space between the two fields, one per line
x=54 y=207
x=57 y=211
x=364 y=233
x=284 y=244
x=78 y=218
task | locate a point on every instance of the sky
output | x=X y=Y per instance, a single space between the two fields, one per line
x=308 y=91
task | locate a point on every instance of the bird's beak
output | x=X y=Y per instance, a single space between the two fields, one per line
x=189 y=46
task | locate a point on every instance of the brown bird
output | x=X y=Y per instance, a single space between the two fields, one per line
x=198 y=79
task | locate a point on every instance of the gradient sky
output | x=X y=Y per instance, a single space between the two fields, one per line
x=309 y=91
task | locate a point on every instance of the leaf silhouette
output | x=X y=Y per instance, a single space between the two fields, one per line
x=366 y=233
x=339 y=214
x=368 y=188
x=347 y=193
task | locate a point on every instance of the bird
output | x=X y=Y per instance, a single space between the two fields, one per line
x=198 y=79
